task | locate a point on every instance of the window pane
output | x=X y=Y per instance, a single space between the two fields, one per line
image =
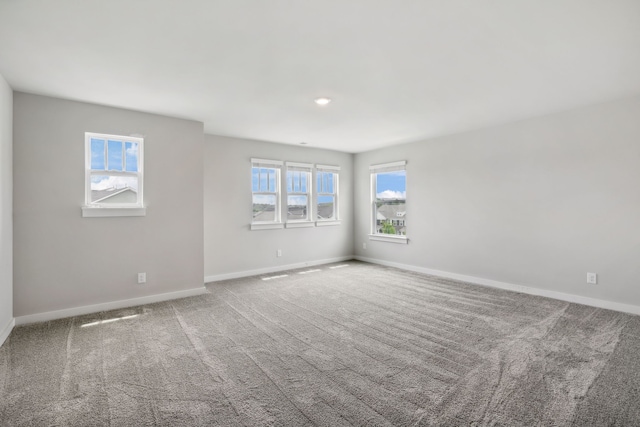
x=263 y=176
x=131 y=156
x=329 y=186
x=272 y=180
x=255 y=184
x=391 y=200
x=264 y=207
x=326 y=207
x=114 y=153
x=297 y=207
x=114 y=189
x=263 y=180
x=97 y=154
x=296 y=181
x=325 y=182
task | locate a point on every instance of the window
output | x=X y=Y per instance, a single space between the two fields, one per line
x=265 y=185
x=291 y=194
x=113 y=175
x=327 y=195
x=389 y=198
x=299 y=195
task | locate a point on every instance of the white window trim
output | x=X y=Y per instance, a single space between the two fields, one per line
x=327 y=222
x=336 y=186
x=93 y=210
x=298 y=223
x=277 y=223
x=389 y=167
x=390 y=238
x=380 y=168
x=266 y=225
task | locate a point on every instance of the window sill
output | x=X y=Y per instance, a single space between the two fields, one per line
x=94 y=212
x=267 y=226
x=389 y=238
x=328 y=223
x=300 y=224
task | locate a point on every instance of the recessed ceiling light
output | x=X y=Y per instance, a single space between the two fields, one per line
x=322 y=101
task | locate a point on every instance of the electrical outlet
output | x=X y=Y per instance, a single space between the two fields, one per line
x=364 y=246
x=142 y=277
x=279 y=253
x=592 y=278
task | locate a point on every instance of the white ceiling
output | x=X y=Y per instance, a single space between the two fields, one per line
x=397 y=71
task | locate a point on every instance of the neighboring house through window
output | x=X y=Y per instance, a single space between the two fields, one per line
x=327 y=194
x=299 y=194
x=265 y=185
x=389 y=199
x=113 y=175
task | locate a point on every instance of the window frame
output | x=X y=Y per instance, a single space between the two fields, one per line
x=94 y=209
x=268 y=164
x=374 y=170
x=336 y=190
x=304 y=168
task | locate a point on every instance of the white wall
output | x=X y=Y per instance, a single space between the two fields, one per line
x=230 y=246
x=62 y=260
x=6 y=210
x=538 y=203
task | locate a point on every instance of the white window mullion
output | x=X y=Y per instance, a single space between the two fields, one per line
x=113 y=173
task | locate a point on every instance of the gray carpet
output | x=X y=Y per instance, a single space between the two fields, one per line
x=356 y=345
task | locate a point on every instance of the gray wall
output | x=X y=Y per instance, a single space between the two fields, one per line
x=62 y=260
x=230 y=246
x=538 y=203
x=6 y=189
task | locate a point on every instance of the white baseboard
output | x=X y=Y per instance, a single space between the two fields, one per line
x=593 y=302
x=268 y=270
x=114 y=305
x=4 y=333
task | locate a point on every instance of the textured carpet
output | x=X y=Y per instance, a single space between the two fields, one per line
x=354 y=345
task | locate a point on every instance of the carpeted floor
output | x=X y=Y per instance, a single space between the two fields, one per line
x=341 y=344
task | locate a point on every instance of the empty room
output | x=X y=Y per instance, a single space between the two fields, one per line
x=319 y=213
